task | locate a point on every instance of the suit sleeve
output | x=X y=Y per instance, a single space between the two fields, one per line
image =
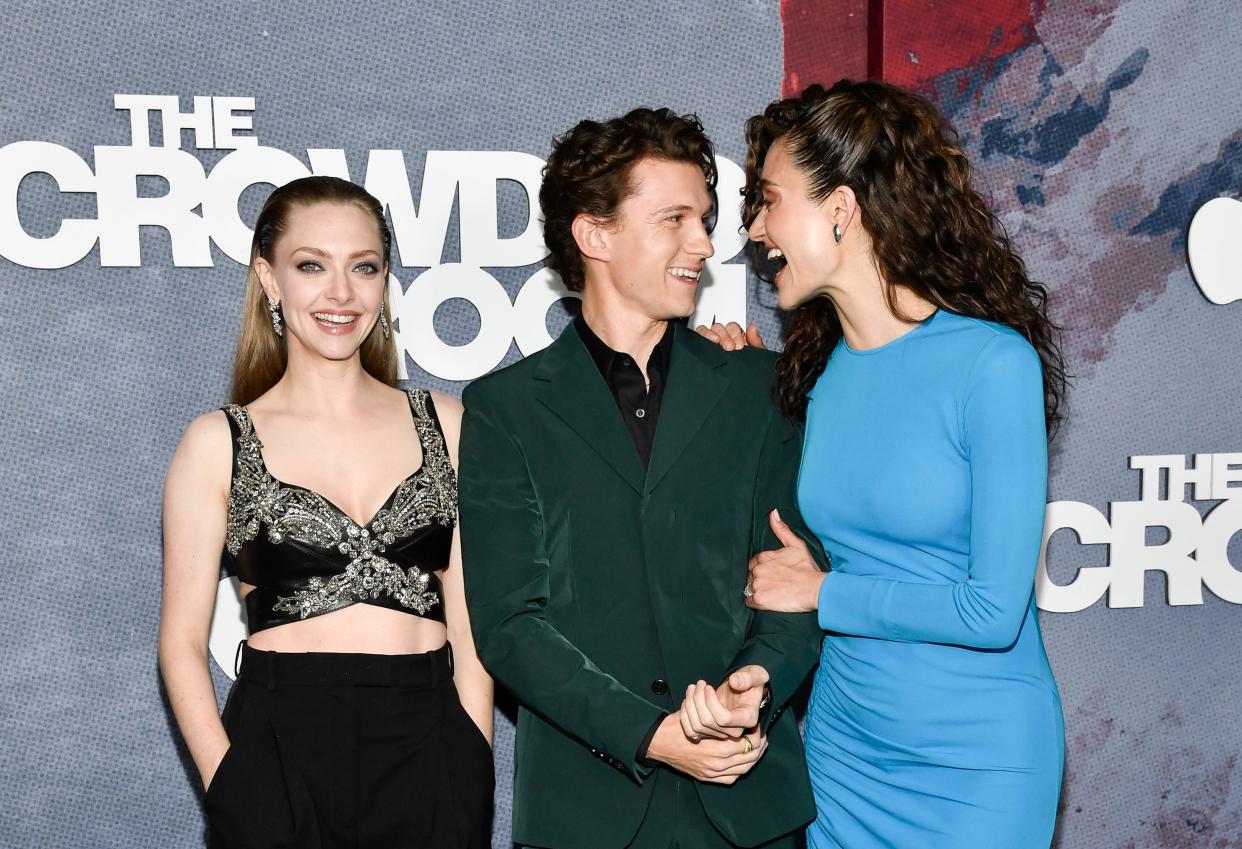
x=507 y=588
x=785 y=644
x=1002 y=419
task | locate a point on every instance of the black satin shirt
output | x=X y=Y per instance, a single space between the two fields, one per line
x=638 y=403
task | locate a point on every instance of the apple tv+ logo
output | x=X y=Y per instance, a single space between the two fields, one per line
x=1214 y=245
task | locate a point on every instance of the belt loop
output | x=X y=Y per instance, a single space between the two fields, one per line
x=237 y=659
x=271 y=670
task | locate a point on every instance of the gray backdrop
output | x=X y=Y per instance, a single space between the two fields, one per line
x=107 y=356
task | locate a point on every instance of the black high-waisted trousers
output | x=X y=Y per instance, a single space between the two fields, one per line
x=349 y=750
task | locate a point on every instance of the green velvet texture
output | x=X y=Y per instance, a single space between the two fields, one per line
x=588 y=578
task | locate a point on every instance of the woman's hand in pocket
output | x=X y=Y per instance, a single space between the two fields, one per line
x=216 y=759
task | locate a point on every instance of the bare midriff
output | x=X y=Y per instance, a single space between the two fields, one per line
x=357 y=629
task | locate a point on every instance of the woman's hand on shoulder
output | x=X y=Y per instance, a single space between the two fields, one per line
x=730 y=336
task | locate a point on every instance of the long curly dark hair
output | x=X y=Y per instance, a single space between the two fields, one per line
x=930 y=231
x=588 y=171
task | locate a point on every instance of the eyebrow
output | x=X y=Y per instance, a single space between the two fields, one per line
x=317 y=252
x=681 y=207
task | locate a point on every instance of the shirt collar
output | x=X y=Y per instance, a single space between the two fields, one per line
x=606 y=357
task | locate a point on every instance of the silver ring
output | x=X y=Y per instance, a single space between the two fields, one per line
x=747 y=592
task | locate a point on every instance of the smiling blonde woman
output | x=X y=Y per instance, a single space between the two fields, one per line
x=360 y=715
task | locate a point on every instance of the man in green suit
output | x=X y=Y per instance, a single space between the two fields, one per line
x=613 y=488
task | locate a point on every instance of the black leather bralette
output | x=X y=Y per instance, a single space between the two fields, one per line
x=306 y=557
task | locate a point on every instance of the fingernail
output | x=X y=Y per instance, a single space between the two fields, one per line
x=777 y=514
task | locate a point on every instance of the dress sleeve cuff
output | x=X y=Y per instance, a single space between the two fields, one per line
x=824 y=612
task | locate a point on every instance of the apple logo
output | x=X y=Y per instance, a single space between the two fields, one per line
x=228 y=626
x=1214 y=245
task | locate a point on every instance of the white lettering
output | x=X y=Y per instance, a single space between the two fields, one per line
x=417 y=315
x=1089 y=585
x=418 y=234
x=233 y=175
x=76 y=236
x=139 y=107
x=479 y=172
x=1219 y=527
x=722 y=287
x=122 y=211
x=1131 y=557
x=227 y=121
x=1195 y=553
x=198 y=119
x=198 y=209
x=530 y=309
x=212 y=119
x=1226 y=474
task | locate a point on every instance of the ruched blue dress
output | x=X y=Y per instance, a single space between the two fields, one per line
x=934 y=722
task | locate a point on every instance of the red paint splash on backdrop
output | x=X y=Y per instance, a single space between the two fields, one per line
x=918 y=39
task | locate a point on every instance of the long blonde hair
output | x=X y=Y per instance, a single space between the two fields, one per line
x=261 y=354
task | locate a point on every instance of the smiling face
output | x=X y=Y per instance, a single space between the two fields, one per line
x=656 y=247
x=327 y=274
x=795 y=230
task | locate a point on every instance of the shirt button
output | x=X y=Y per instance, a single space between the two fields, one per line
x=659 y=686
x=640 y=412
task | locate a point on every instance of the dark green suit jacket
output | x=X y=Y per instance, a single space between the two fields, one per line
x=593 y=582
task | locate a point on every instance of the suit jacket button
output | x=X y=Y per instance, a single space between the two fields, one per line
x=659 y=686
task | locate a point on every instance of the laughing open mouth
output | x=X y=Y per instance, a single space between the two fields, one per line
x=774 y=263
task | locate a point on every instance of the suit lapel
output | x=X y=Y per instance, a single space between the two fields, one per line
x=570 y=385
x=695 y=386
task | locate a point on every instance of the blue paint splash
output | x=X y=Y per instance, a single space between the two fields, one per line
x=1051 y=140
x=1180 y=200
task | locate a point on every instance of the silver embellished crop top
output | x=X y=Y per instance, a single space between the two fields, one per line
x=306 y=557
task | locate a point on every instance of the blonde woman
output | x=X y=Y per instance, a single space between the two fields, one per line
x=361 y=715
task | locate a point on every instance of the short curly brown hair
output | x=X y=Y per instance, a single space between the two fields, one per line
x=589 y=168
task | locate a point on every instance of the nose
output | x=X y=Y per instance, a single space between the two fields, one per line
x=339 y=287
x=756 y=230
x=701 y=243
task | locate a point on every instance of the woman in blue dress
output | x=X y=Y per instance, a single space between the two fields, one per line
x=922 y=360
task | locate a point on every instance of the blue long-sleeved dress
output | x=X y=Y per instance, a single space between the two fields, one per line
x=934 y=722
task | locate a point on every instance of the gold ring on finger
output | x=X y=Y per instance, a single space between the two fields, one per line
x=747 y=746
